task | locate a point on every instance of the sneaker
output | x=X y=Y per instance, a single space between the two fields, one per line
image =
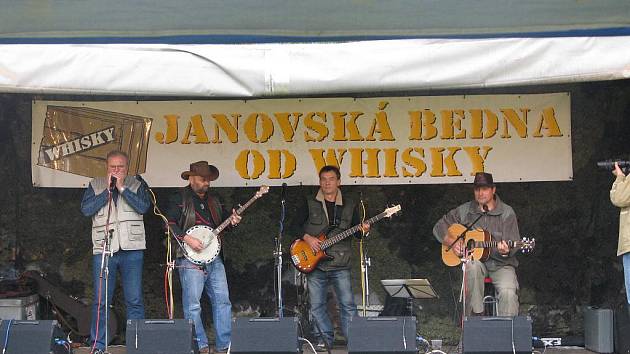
x=321 y=346
x=98 y=351
x=204 y=350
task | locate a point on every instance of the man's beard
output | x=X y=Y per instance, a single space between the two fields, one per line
x=200 y=190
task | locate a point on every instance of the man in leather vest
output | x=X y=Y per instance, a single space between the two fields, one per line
x=116 y=209
x=193 y=205
x=499 y=220
x=329 y=212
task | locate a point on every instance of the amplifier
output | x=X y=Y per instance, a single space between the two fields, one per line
x=264 y=335
x=498 y=334
x=160 y=337
x=380 y=335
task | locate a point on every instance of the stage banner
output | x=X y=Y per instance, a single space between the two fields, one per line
x=383 y=140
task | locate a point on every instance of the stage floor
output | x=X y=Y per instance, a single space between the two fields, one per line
x=120 y=349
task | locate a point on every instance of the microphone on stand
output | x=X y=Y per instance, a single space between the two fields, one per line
x=112 y=183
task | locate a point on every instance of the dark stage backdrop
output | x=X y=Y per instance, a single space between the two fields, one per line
x=574 y=224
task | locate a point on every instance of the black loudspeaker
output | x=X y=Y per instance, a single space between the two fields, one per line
x=160 y=337
x=622 y=328
x=28 y=337
x=497 y=334
x=381 y=335
x=264 y=335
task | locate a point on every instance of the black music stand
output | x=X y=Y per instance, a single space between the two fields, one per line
x=410 y=289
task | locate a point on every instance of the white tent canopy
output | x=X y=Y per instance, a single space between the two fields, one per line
x=258 y=70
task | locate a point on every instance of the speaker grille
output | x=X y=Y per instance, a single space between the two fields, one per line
x=264 y=335
x=497 y=334
x=382 y=335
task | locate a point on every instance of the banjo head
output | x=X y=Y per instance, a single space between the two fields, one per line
x=210 y=242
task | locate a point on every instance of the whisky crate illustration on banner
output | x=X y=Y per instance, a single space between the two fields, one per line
x=77 y=140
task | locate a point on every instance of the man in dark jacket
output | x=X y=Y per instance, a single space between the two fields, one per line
x=190 y=206
x=328 y=212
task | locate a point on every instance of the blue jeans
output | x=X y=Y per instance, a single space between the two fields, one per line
x=129 y=263
x=626 y=272
x=318 y=282
x=194 y=280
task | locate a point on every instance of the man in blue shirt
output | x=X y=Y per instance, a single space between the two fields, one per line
x=116 y=204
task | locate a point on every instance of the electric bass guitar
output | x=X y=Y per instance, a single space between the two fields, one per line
x=306 y=260
x=209 y=237
x=478 y=243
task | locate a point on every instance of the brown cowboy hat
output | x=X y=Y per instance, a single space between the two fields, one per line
x=203 y=169
x=483 y=179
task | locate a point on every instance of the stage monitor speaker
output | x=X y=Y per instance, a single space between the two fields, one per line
x=497 y=335
x=160 y=337
x=380 y=335
x=622 y=328
x=264 y=335
x=28 y=337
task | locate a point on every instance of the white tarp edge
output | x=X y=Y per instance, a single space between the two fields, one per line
x=256 y=70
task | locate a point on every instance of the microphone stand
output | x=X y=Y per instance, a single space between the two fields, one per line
x=468 y=228
x=278 y=253
x=170 y=265
x=366 y=262
x=465 y=259
x=105 y=255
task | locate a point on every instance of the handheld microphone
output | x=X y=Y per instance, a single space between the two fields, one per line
x=112 y=183
x=283 y=194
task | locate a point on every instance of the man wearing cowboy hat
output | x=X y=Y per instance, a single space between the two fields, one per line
x=499 y=220
x=191 y=206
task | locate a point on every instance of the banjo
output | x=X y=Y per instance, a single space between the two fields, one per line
x=208 y=236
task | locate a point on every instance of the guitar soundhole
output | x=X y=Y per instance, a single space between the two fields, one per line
x=470 y=244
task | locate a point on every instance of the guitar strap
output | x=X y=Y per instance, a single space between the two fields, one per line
x=214 y=211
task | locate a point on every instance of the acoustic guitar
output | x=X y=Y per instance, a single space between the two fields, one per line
x=478 y=243
x=306 y=260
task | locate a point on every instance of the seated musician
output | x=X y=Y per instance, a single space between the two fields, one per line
x=500 y=221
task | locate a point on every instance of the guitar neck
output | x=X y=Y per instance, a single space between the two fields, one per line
x=342 y=235
x=238 y=211
x=495 y=244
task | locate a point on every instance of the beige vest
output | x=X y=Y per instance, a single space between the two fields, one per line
x=127 y=224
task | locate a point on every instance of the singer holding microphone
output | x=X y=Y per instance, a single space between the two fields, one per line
x=499 y=219
x=116 y=204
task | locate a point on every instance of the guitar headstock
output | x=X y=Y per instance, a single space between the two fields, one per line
x=262 y=190
x=389 y=212
x=527 y=244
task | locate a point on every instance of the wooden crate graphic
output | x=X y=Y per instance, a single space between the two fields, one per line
x=77 y=140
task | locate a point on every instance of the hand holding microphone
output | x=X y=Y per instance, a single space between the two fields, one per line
x=112 y=182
